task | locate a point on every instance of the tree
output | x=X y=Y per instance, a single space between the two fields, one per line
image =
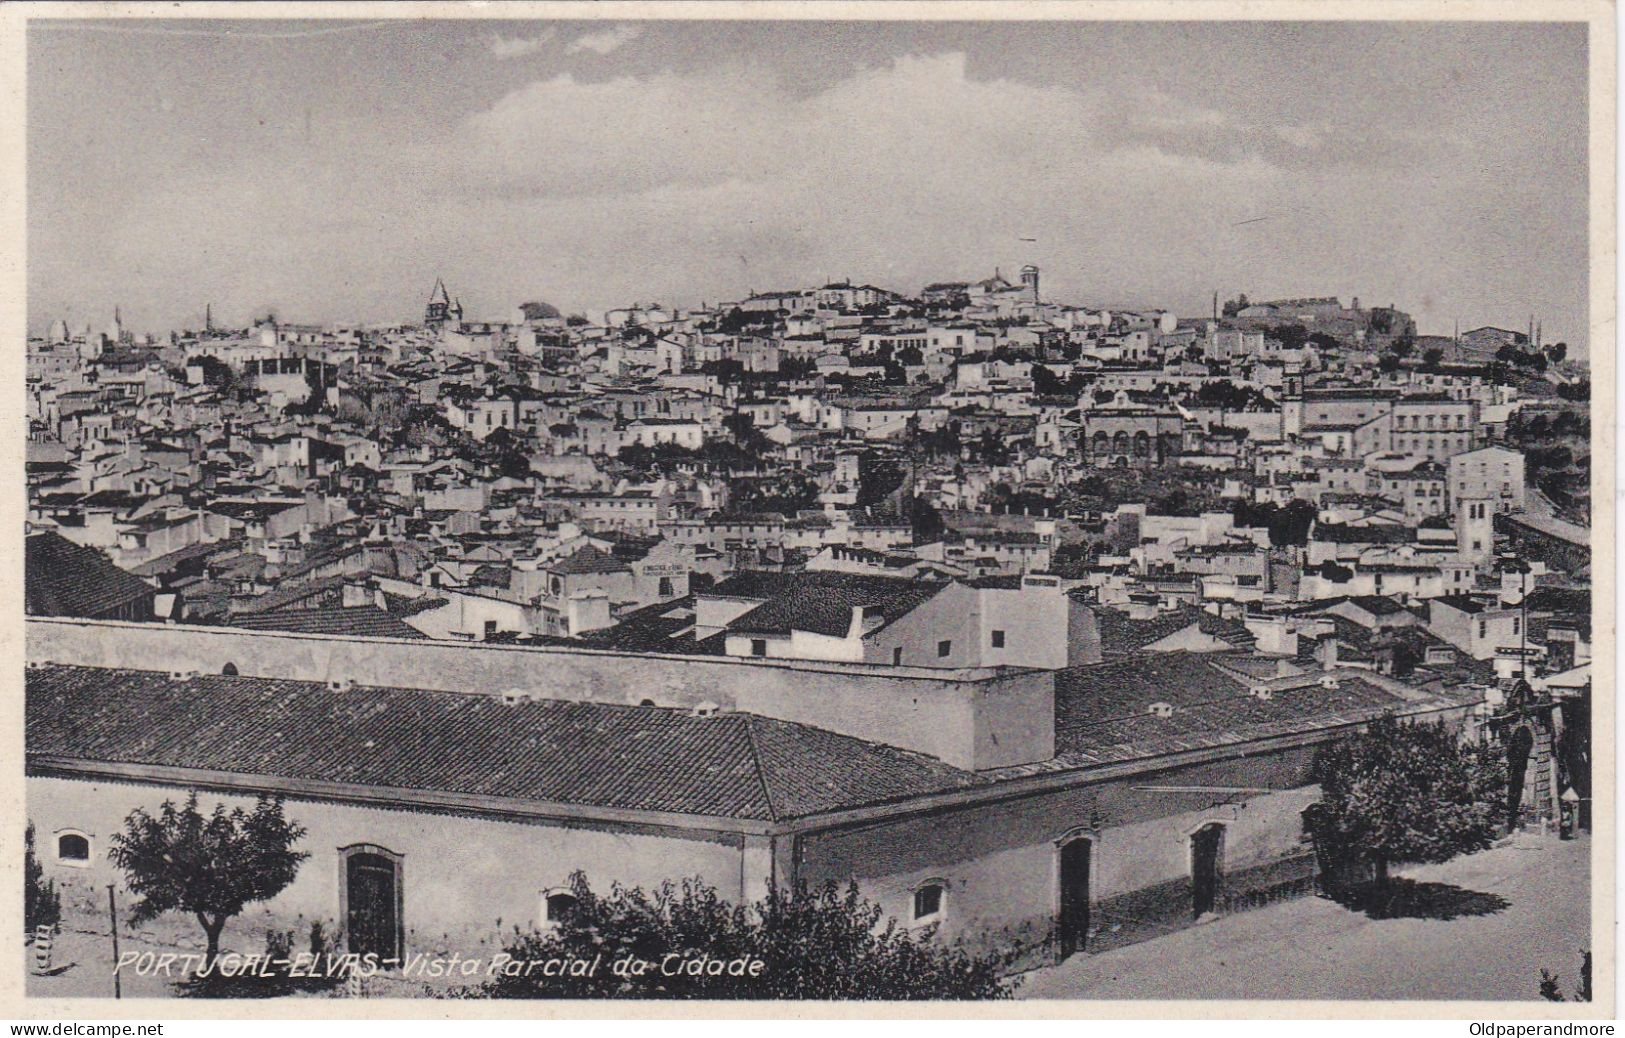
x=1287 y=525
x=1290 y=336
x=1229 y=396
x=1399 y=793
x=1431 y=359
x=42 y=905
x=212 y=866
x=539 y=311
x=1045 y=382
x=822 y=944
x=925 y=521
x=740 y=426
x=1578 y=391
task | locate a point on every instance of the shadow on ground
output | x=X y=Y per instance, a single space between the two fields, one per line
x=255 y=984
x=1412 y=899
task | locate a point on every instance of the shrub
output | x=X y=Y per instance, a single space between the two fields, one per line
x=42 y=905
x=281 y=974
x=822 y=944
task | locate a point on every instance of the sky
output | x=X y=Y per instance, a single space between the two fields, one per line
x=331 y=171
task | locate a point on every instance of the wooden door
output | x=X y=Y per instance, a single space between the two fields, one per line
x=1205 y=845
x=1074 y=921
x=373 y=925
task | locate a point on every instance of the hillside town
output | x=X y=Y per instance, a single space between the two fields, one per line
x=788 y=588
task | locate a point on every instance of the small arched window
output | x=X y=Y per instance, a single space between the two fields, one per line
x=558 y=906
x=930 y=902
x=229 y=670
x=73 y=848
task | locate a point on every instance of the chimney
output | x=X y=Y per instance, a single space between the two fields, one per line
x=587 y=611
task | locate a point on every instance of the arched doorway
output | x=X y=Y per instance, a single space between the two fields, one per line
x=1520 y=747
x=1207 y=856
x=370 y=896
x=1076 y=861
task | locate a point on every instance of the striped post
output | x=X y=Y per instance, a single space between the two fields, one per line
x=42 y=950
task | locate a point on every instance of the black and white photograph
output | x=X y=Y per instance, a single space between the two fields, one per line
x=783 y=505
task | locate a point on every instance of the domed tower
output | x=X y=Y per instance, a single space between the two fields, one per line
x=1029 y=280
x=58 y=332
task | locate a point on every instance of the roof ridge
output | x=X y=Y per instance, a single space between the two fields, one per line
x=761 y=769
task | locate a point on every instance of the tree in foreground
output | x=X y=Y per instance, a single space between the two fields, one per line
x=1404 y=793
x=822 y=945
x=212 y=866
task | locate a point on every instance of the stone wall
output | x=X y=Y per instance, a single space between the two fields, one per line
x=999 y=861
x=974 y=719
x=466 y=881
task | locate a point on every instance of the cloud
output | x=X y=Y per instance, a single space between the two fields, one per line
x=505 y=48
x=922 y=121
x=1156 y=119
x=605 y=40
x=907 y=170
x=691 y=185
x=921 y=125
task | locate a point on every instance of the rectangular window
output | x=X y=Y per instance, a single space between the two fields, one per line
x=944 y=648
x=758 y=646
x=897 y=656
x=998 y=639
x=927 y=901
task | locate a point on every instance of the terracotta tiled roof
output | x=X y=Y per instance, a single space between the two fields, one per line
x=1103 y=712
x=1120 y=635
x=821 y=601
x=586 y=559
x=62 y=578
x=291 y=593
x=592 y=754
x=360 y=621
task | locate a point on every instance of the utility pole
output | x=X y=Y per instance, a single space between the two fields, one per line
x=1523 y=624
x=112 y=925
